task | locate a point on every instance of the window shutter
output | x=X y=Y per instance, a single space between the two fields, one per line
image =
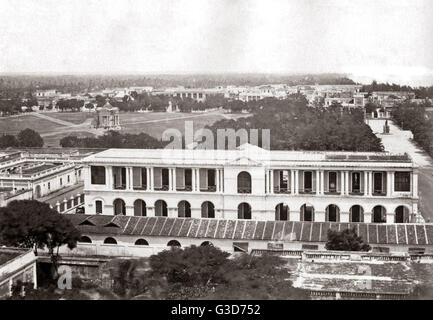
x=180 y=178
x=276 y=179
x=136 y=177
x=157 y=177
x=203 y=178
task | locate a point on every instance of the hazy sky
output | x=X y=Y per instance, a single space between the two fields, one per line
x=387 y=40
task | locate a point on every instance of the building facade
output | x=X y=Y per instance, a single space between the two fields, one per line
x=253 y=183
x=40 y=176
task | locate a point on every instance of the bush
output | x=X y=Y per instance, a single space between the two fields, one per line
x=346 y=240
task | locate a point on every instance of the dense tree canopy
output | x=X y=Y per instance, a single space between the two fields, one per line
x=30 y=223
x=113 y=139
x=204 y=272
x=295 y=126
x=346 y=240
x=30 y=138
x=413 y=117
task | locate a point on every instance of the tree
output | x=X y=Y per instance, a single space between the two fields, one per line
x=346 y=240
x=7 y=141
x=30 y=138
x=33 y=224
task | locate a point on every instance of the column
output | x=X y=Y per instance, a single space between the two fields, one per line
x=319 y=216
x=365 y=184
x=367 y=217
x=217 y=177
x=109 y=177
x=322 y=182
x=296 y=184
x=346 y=181
x=152 y=179
x=317 y=182
x=390 y=217
x=271 y=172
x=415 y=183
x=292 y=181
x=370 y=183
x=342 y=184
x=174 y=179
x=388 y=183
x=148 y=178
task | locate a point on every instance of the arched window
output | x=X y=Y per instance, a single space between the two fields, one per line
x=110 y=240
x=244 y=182
x=140 y=208
x=332 y=213
x=85 y=239
x=356 y=214
x=307 y=212
x=141 y=242
x=402 y=215
x=184 y=209
x=160 y=208
x=207 y=210
x=379 y=214
x=173 y=243
x=282 y=212
x=206 y=244
x=119 y=207
x=244 y=211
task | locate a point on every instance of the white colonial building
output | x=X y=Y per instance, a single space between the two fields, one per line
x=253 y=183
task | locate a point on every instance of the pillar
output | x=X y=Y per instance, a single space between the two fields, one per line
x=390 y=217
x=109 y=178
x=297 y=184
x=148 y=178
x=342 y=184
x=367 y=217
x=344 y=216
x=317 y=182
x=346 y=182
x=322 y=182
x=365 y=184
x=388 y=183
x=152 y=179
x=295 y=215
x=415 y=183
x=292 y=181
x=319 y=216
x=271 y=178
x=370 y=183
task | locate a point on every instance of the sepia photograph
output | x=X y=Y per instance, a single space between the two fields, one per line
x=216 y=156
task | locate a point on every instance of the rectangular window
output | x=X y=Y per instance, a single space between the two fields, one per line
x=98 y=206
x=49 y=186
x=119 y=177
x=165 y=179
x=69 y=179
x=97 y=175
x=188 y=179
x=402 y=181
x=211 y=179
x=356 y=182
x=284 y=180
x=308 y=181
x=377 y=182
x=61 y=181
x=332 y=183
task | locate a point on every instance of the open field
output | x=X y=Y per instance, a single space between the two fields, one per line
x=13 y=125
x=79 y=123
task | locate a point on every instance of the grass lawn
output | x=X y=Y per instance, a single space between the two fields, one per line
x=74 y=117
x=13 y=125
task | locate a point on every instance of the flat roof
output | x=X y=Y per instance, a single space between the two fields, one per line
x=250 y=155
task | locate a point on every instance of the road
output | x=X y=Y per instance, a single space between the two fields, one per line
x=400 y=141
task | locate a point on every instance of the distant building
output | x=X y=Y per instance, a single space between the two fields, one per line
x=16 y=265
x=107 y=117
x=18 y=174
